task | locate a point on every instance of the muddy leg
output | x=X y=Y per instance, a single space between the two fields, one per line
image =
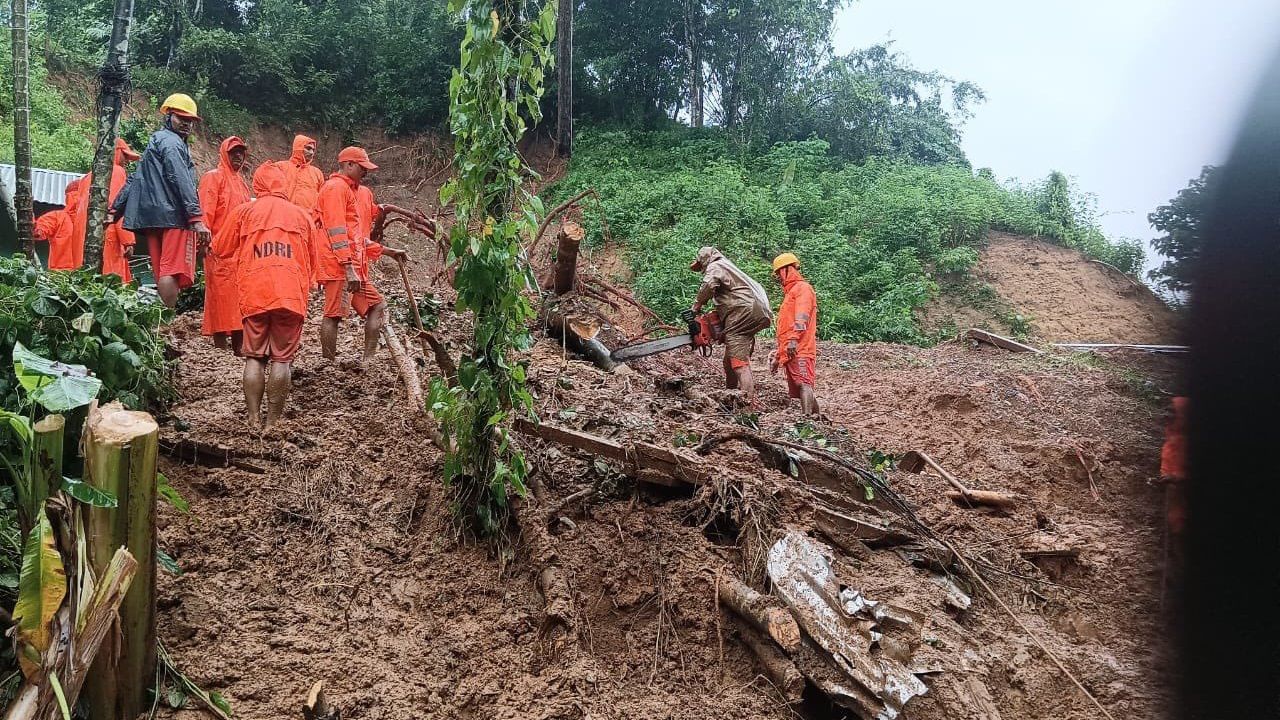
x=278 y=390
x=255 y=383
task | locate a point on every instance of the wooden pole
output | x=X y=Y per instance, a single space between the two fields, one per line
x=121 y=447
x=46 y=465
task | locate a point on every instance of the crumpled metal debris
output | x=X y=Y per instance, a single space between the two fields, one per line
x=845 y=626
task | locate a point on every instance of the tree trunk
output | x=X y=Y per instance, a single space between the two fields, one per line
x=564 y=74
x=113 y=80
x=121 y=448
x=22 y=129
x=693 y=23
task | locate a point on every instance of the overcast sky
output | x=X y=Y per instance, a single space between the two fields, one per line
x=1130 y=97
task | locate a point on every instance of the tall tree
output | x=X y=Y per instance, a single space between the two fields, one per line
x=22 y=128
x=564 y=75
x=113 y=79
x=1181 y=222
x=695 y=24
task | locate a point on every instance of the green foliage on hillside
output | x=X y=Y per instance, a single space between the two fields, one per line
x=56 y=142
x=872 y=236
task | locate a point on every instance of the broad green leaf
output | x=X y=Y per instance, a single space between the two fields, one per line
x=56 y=386
x=42 y=585
x=171 y=495
x=88 y=494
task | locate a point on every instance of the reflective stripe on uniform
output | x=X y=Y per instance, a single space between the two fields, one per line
x=338 y=245
x=337 y=231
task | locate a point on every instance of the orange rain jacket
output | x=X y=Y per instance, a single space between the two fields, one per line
x=798 y=317
x=269 y=242
x=221 y=191
x=116 y=238
x=302 y=179
x=339 y=240
x=56 y=228
x=369 y=251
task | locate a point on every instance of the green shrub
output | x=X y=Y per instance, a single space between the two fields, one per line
x=868 y=235
x=56 y=142
x=81 y=318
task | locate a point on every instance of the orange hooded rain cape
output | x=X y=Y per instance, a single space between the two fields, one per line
x=269 y=241
x=221 y=191
x=798 y=317
x=302 y=179
x=58 y=229
x=116 y=238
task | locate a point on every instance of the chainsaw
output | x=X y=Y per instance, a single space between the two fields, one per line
x=704 y=330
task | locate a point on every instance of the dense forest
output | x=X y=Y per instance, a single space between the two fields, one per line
x=727 y=122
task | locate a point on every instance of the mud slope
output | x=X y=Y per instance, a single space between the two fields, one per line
x=1061 y=294
x=338 y=561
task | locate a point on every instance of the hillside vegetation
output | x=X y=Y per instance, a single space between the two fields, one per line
x=874 y=236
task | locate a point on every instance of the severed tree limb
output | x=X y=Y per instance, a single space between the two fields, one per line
x=412 y=385
x=428 y=340
x=777 y=667
x=629 y=299
x=760 y=612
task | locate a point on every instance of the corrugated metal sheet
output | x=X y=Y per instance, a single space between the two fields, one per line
x=47 y=186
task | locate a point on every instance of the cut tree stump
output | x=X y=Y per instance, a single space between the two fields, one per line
x=566 y=268
x=121 y=448
x=761 y=612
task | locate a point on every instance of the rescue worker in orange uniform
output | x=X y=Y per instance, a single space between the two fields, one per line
x=302 y=183
x=57 y=228
x=117 y=243
x=268 y=241
x=343 y=254
x=221 y=191
x=797 y=333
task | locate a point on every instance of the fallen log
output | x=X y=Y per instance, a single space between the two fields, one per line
x=761 y=612
x=1000 y=341
x=778 y=667
x=578 y=338
x=642 y=461
x=915 y=461
x=408 y=373
x=205 y=454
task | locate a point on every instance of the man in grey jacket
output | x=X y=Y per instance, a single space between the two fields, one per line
x=744 y=311
x=160 y=203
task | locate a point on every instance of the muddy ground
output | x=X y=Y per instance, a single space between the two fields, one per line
x=336 y=557
x=339 y=561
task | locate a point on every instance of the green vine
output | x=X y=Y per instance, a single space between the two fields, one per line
x=505 y=51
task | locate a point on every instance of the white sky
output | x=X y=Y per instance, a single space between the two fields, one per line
x=1129 y=97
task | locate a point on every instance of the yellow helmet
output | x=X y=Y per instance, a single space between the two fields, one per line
x=784 y=260
x=181 y=104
